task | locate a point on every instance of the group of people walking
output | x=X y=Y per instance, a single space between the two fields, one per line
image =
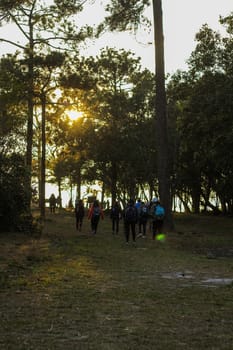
x=138 y=218
x=145 y=216
x=54 y=203
x=95 y=212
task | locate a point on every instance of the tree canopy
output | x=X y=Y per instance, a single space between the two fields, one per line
x=112 y=142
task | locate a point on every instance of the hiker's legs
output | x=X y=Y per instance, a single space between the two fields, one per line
x=77 y=222
x=117 y=225
x=80 y=222
x=95 y=222
x=154 y=227
x=127 y=227
x=133 y=230
x=144 y=228
x=113 y=225
x=140 y=227
x=159 y=226
x=93 y=226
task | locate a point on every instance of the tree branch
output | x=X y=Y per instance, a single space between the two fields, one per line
x=12 y=43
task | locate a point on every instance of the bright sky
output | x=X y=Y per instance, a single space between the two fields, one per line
x=182 y=19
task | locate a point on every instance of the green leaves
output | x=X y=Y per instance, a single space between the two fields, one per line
x=202 y=113
x=126 y=15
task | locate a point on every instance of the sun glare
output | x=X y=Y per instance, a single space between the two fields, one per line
x=73 y=114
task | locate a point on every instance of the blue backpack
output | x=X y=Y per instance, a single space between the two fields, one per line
x=159 y=212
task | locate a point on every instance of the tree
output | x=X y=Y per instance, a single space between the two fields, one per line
x=49 y=68
x=14 y=195
x=42 y=27
x=122 y=108
x=161 y=114
x=13 y=109
x=201 y=102
x=114 y=77
x=125 y=15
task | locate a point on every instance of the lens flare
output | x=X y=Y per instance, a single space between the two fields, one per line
x=160 y=237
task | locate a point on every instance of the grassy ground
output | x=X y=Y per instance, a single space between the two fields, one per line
x=72 y=290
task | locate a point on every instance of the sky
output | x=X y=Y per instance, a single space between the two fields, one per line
x=182 y=19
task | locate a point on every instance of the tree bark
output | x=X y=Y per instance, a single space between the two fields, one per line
x=43 y=157
x=161 y=115
x=114 y=182
x=30 y=126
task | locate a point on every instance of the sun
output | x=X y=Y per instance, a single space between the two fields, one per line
x=74 y=114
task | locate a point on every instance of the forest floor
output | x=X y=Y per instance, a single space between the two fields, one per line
x=71 y=290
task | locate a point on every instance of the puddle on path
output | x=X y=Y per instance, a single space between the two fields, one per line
x=188 y=275
x=177 y=275
x=217 y=281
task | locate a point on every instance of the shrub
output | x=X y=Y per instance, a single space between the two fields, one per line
x=14 y=196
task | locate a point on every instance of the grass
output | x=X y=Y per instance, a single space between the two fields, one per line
x=71 y=290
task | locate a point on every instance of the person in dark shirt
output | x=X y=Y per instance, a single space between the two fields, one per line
x=115 y=214
x=143 y=218
x=94 y=214
x=79 y=213
x=52 y=203
x=130 y=220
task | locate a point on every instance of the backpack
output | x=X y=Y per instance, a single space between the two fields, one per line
x=115 y=212
x=144 y=211
x=131 y=214
x=159 y=212
x=96 y=212
x=79 y=210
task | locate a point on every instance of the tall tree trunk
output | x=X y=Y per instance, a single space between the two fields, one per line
x=43 y=156
x=78 y=190
x=161 y=115
x=103 y=193
x=59 y=195
x=114 y=182
x=29 y=127
x=196 y=195
x=30 y=93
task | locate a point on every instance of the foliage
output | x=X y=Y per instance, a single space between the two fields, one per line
x=201 y=103
x=13 y=192
x=13 y=112
x=117 y=111
x=44 y=27
x=114 y=140
x=126 y=15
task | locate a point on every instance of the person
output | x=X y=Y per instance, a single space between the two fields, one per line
x=143 y=218
x=138 y=206
x=58 y=201
x=158 y=213
x=79 y=213
x=52 y=203
x=115 y=215
x=94 y=214
x=130 y=220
